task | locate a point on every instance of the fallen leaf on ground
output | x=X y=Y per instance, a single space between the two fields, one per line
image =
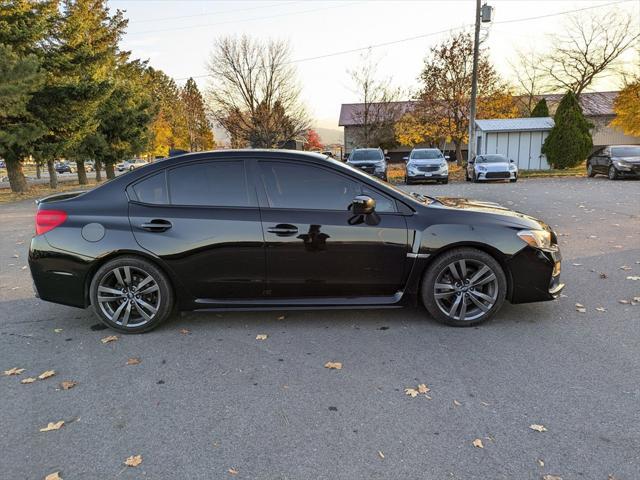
x=576 y=264
x=412 y=392
x=53 y=426
x=57 y=330
x=633 y=277
x=185 y=331
x=478 y=443
x=261 y=336
x=133 y=461
x=551 y=477
x=67 y=384
x=456 y=403
x=380 y=454
x=603 y=275
x=601 y=309
x=53 y=476
x=580 y=308
x=14 y=371
x=233 y=471
x=333 y=365
x=110 y=338
x=541 y=462
x=281 y=317
x=28 y=380
x=537 y=428
x=422 y=388
x=625 y=267
x=134 y=361
x=47 y=374
x=624 y=302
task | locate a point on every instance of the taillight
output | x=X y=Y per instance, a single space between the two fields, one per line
x=47 y=220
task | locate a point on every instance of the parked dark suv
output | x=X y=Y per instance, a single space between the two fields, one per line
x=269 y=229
x=615 y=161
x=370 y=160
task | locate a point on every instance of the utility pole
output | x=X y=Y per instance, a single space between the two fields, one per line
x=483 y=13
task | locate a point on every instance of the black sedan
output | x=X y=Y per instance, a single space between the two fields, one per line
x=615 y=161
x=64 y=167
x=252 y=230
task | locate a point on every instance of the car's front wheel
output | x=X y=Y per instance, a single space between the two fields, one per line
x=590 y=172
x=131 y=295
x=613 y=173
x=464 y=287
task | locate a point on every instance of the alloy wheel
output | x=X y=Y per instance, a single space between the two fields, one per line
x=129 y=296
x=465 y=290
x=613 y=173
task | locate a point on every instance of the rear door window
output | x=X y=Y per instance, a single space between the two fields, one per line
x=214 y=183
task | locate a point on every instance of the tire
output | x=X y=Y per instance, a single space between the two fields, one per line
x=475 y=178
x=131 y=169
x=613 y=173
x=493 y=287
x=514 y=179
x=590 y=171
x=466 y=176
x=119 y=308
x=445 y=181
x=407 y=181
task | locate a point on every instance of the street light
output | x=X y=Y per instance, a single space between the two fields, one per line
x=483 y=14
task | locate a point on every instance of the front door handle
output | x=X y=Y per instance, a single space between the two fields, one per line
x=283 y=230
x=157 y=225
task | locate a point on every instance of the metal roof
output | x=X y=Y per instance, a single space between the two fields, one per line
x=515 y=124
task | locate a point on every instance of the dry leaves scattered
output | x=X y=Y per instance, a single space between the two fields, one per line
x=28 y=380
x=14 y=371
x=551 y=477
x=67 y=384
x=478 y=443
x=538 y=428
x=47 y=374
x=134 y=361
x=133 y=461
x=625 y=267
x=601 y=309
x=109 y=339
x=580 y=308
x=633 y=277
x=281 y=317
x=233 y=471
x=53 y=426
x=380 y=454
x=540 y=462
x=414 y=392
x=456 y=403
x=261 y=336
x=57 y=330
x=53 y=476
x=333 y=365
x=185 y=331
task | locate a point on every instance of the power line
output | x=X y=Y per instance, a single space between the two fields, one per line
x=562 y=13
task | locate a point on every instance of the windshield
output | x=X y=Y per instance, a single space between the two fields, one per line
x=492 y=159
x=369 y=154
x=430 y=154
x=625 y=152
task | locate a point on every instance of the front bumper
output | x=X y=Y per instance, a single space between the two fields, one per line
x=425 y=176
x=535 y=275
x=488 y=176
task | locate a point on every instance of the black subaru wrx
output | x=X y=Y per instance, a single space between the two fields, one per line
x=270 y=229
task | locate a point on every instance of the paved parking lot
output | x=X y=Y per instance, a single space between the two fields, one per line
x=209 y=401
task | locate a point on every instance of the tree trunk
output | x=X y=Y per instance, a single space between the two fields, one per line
x=82 y=173
x=16 y=177
x=459 y=158
x=38 y=172
x=98 y=166
x=53 y=175
x=108 y=168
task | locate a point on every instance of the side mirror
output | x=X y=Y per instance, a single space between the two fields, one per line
x=363 y=205
x=472 y=161
x=447 y=158
x=511 y=160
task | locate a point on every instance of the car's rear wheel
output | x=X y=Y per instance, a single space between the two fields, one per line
x=590 y=171
x=613 y=173
x=131 y=295
x=464 y=287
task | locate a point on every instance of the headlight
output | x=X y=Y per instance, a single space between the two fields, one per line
x=482 y=168
x=536 y=238
x=444 y=167
x=621 y=164
x=379 y=167
x=512 y=167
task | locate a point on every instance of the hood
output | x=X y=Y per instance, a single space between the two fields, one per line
x=491 y=208
x=427 y=161
x=495 y=166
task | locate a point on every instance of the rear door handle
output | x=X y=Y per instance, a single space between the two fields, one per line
x=283 y=230
x=157 y=225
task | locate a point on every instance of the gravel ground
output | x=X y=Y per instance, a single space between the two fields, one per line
x=209 y=401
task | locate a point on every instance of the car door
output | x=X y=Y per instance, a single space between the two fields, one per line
x=315 y=246
x=203 y=221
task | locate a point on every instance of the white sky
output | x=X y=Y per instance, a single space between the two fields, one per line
x=176 y=36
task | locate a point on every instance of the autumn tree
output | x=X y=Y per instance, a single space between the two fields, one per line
x=627 y=109
x=541 y=109
x=254 y=95
x=313 y=141
x=198 y=127
x=24 y=30
x=378 y=109
x=589 y=47
x=444 y=96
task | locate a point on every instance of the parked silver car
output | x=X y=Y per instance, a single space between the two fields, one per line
x=426 y=164
x=491 y=167
x=129 y=165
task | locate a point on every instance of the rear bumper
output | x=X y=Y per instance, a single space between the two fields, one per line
x=535 y=275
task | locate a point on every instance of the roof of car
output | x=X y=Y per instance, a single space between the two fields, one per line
x=244 y=152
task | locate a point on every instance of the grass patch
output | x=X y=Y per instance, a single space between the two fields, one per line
x=39 y=191
x=578 y=171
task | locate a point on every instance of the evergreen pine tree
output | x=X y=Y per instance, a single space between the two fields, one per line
x=569 y=141
x=198 y=126
x=541 y=109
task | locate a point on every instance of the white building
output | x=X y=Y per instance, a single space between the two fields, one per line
x=519 y=139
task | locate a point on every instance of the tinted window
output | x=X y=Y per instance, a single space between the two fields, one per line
x=426 y=154
x=152 y=189
x=221 y=184
x=625 y=151
x=308 y=187
x=360 y=155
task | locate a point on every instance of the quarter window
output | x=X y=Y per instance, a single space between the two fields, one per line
x=152 y=190
x=215 y=183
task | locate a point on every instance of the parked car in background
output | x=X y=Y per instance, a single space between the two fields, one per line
x=491 y=167
x=2 y=164
x=129 y=165
x=426 y=164
x=615 y=161
x=370 y=160
x=64 y=167
x=271 y=229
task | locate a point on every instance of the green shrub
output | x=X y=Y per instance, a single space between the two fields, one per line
x=541 y=109
x=569 y=141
